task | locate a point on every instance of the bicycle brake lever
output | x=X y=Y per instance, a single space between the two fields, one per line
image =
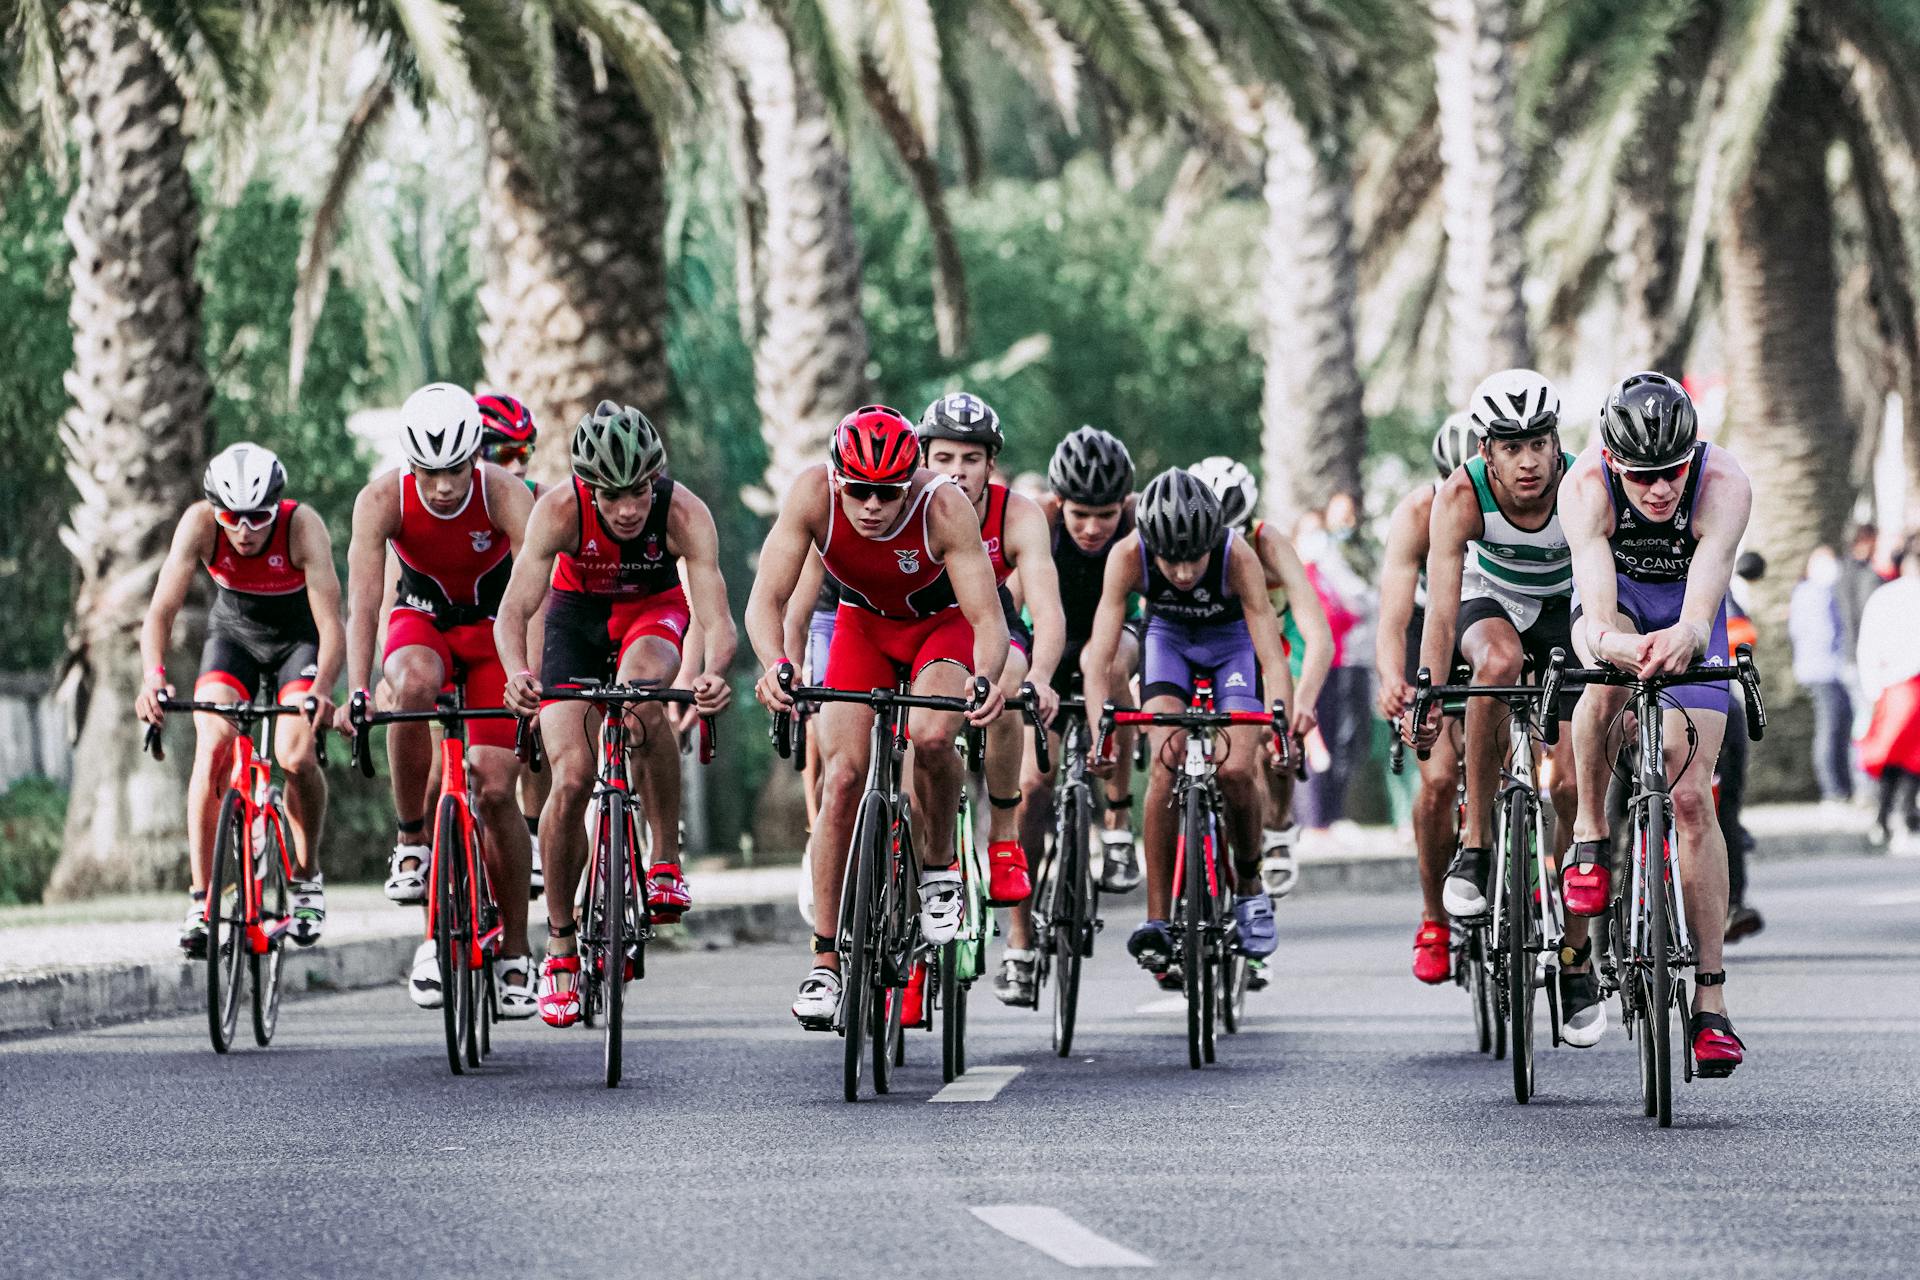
x=152 y=746
x=782 y=731
x=709 y=740
x=362 y=744
x=308 y=708
x=1042 y=757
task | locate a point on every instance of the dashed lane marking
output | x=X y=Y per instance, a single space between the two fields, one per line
x=1053 y=1233
x=979 y=1084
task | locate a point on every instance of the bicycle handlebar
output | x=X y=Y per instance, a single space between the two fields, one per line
x=610 y=695
x=242 y=714
x=785 y=738
x=1743 y=670
x=1546 y=693
x=1274 y=718
x=1027 y=702
x=444 y=713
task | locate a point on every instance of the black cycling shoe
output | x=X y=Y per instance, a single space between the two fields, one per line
x=1464 y=894
x=1583 y=1010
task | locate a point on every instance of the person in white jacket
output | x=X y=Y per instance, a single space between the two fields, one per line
x=1889 y=665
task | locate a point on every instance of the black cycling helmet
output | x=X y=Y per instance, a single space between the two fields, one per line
x=1648 y=422
x=962 y=417
x=1091 y=467
x=1179 y=516
x=1456 y=441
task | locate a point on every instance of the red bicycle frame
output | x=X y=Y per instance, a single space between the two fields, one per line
x=453 y=782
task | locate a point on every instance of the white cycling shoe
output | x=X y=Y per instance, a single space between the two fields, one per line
x=1279 y=869
x=942 y=906
x=517 y=999
x=819 y=1000
x=423 y=980
x=408 y=885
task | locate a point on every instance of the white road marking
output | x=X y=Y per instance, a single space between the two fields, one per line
x=1903 y=898
x=1058 y=1236
x=1166 y=1004
x=979 y=1084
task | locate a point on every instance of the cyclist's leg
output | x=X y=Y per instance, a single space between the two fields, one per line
x=656 y=747
x=1241 y=765
x=1701 y=848
x=819 y=641
x=508 y=848
x=1035 y=824
x=293 y=748
x=1434 y=817
x=416 y=668
x=936 y=764
x=1491 y=646
x=1008 y=859
x=1119 y=862
x=843 y=729
x=228 y=673
x=1159 y=823
x=567 y=735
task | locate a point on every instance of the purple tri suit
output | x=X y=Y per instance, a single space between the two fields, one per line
x=1198 y=632
x=1650 y=561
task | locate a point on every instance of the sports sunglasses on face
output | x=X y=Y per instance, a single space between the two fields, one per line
x=501 y=455
x=251 y=521
x=1654 y=475
x=861 y=491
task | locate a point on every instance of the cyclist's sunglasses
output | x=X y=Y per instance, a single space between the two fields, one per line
x=251 y=521
x=502 y=455
x=1654 y=475
x=861 y=491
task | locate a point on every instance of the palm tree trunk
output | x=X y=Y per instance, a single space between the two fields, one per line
x=1313 y=432
x=575 y=295
x=809 y=367
x=950 y=319
x=1789 y=428
x=1483 y=192
x=135 y=439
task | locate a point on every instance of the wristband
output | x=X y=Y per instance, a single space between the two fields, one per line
x=160 y=671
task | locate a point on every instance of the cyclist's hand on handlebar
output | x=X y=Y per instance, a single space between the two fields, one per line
x=147 y=706
x=1102 y=761
x=767 y=690
x=323 y=710
x=1395 y=696
x=1424 y=734
x=1668 y=652
x=343 y=719
x=1046 y=703
x=988 y=709
x=1302 y=721
x=711 y=694
x=523 y=693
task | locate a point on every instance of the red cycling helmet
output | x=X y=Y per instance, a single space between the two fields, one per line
x=875 y=445
x=506 y=421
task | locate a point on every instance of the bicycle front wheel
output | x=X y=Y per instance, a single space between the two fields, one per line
x=615 y=880
x=1660 y=958
x=865 y=856
x=276 y=904
x=227 y=922
x=1192 y=865
x=1070 y=912
x=451 y=930
x=1518 y=918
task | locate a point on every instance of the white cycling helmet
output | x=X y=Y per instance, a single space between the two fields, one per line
x=1233 y=484
x=243 y=477
x=441 y=426
x=1514 y=404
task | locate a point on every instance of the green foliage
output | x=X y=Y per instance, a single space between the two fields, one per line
x=33 y=813
x=34 y=568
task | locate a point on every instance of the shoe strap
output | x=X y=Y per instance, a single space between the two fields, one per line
x=1001 y=848
x=1570 y=956
x=1598 y=847
x=1716 y=978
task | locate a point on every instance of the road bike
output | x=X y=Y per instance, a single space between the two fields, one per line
x=1214 y=971
x=249 y=895
x=1521 y=934
x=463 y=917
x=615 y=927
x=1648 y=946
x=1066 y=898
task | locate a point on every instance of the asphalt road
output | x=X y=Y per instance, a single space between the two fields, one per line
x=1352 y=1131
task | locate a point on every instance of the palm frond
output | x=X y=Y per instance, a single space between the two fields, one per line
x=1215 y=99
x=34 y=33
x=508 y=56
x=432 y=35
x=1054 y=62
x=639 y=45
x=316 y=248
x=904 y=41
x=825 y=37
x=1123 y=45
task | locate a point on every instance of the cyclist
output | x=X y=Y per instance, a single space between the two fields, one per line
x=1500 y=585
x=508 y=442
x=1304 y=630
x=916 y=598
x=1654 y=518
x=1089 y=508
x=1403 y=601
x=1208 y=616
x=453 y=522
x=276 y=610
x=612 y=545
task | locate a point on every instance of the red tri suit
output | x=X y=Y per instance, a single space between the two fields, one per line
x=897 y=614
x=609 y=595
x=260 y=622
x=453 y=572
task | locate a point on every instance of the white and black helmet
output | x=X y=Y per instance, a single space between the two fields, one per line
x=964 y=417
x=1233 y=484
x=1179 y=516
x=441 y=426
x=1456 y=441
x=1648 y=422
x=243 y=477
x=1091 y=467
x=1514 y=404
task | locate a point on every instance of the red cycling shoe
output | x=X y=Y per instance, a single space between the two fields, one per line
x=667 y=896
x=1586 y=883
x=1716 y=1050
x=1433 y=953
x=1007 y=879
x=914 y=1012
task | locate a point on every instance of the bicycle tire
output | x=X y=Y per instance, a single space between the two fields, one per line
x=486 y=991
x=449 y=929
x=1519 y=957
x=1659 y=926
x=856 y=916
x=1068 y=916
x=275 y=903
x=226 y=925
x=473 y=887
x=615 y=880
x=1191 y=861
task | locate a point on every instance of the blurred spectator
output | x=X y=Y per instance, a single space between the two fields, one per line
x=1861 y=574
x=1742 y=920
x=1341 y=565
x=1890 y=675
x=1814 y=627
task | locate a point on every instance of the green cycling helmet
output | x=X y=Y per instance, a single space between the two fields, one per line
x=615 y=447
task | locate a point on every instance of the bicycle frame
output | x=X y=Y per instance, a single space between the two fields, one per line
x=1653 y=791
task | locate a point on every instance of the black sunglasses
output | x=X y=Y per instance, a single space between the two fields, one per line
x=861 y=491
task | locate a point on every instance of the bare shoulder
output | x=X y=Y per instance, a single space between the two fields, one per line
x=197 y=527
x=1025 y=516
x=1723 y=466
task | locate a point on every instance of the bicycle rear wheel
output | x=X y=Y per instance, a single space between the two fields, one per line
x=1518 y=920
x=864 y=858
x=451 y=930
x=227 y=922
x=1659 y=955
x=275 y=904
x=615 y=881
x=1473 y=976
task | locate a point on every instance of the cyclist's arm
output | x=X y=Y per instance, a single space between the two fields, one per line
x=953 y=536
x=1283 y=562
x=195 y=530
x=312 y=548
x=1248 y=577
x=1719 y=526
x=1455 y=522
x=1028 y=548
x=1117 y=585
x=782 y=557
x=1586 y=518
x=799 y=611
x=376 y=518
x=691 y=535
x=554 y=528
x=1399 y=576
